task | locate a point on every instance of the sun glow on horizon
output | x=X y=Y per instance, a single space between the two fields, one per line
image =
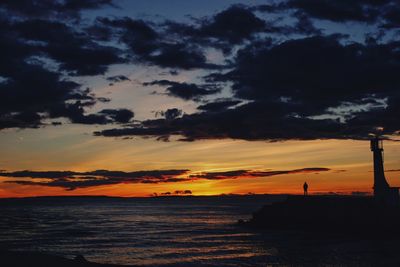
x=350 y=164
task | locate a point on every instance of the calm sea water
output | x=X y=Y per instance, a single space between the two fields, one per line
x=193 y=231
x=146 y=231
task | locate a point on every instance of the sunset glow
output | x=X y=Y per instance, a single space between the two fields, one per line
x=349 y=163
x=236 y=88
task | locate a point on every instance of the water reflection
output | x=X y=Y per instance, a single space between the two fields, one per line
x=137 y=231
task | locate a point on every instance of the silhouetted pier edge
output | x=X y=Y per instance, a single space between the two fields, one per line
x=330 y=214
x=377 y=215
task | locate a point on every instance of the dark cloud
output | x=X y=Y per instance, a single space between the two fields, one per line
x=316 y=73
x=22 y=119
x=221 y=175
x=77 y=53
x=391 y=16
x=340 y=10
x=76 y=114
x=250 y=173
x=296 y=171
x=39 y=174
x=89 y=60
x=333 y=73
x=53 y=8
x=186 y=91
x=119 y=115
x=118 y=78
x=270 y=8
x=238 y=24
x=385 y=117
x=218 y=31
x=180 y=56
x=298 y=90
x=253 y=121
x=136 y=34
x=171 y=113
x=73 y=180
x=158 y=174
x=34 y=88
x=233 y=25
x=28 y=90
x=33 y=94
x=218 y=105
x=151 y=46
x=293 y=81
x=86 y=4
x=304 y=25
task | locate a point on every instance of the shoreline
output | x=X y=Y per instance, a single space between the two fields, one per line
x=331 y=214
x=33 y=259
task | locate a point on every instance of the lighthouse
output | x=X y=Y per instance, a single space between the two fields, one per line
x=383 y=193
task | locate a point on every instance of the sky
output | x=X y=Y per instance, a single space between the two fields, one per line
x=144 y=98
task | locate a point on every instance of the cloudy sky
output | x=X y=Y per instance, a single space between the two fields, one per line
x=132 y=98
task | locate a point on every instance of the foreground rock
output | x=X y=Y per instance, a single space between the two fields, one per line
x=33 y=259
x=331 y=214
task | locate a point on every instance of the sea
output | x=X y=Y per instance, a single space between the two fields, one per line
x=173 y=231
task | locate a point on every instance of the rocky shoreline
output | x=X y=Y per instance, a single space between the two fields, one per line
x=329 y=214
x=33 y=259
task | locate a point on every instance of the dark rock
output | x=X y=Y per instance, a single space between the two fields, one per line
x=329 y=214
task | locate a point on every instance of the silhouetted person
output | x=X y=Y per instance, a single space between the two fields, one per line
x=305 y=187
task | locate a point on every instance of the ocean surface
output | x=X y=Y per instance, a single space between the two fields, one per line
x=187 y=231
